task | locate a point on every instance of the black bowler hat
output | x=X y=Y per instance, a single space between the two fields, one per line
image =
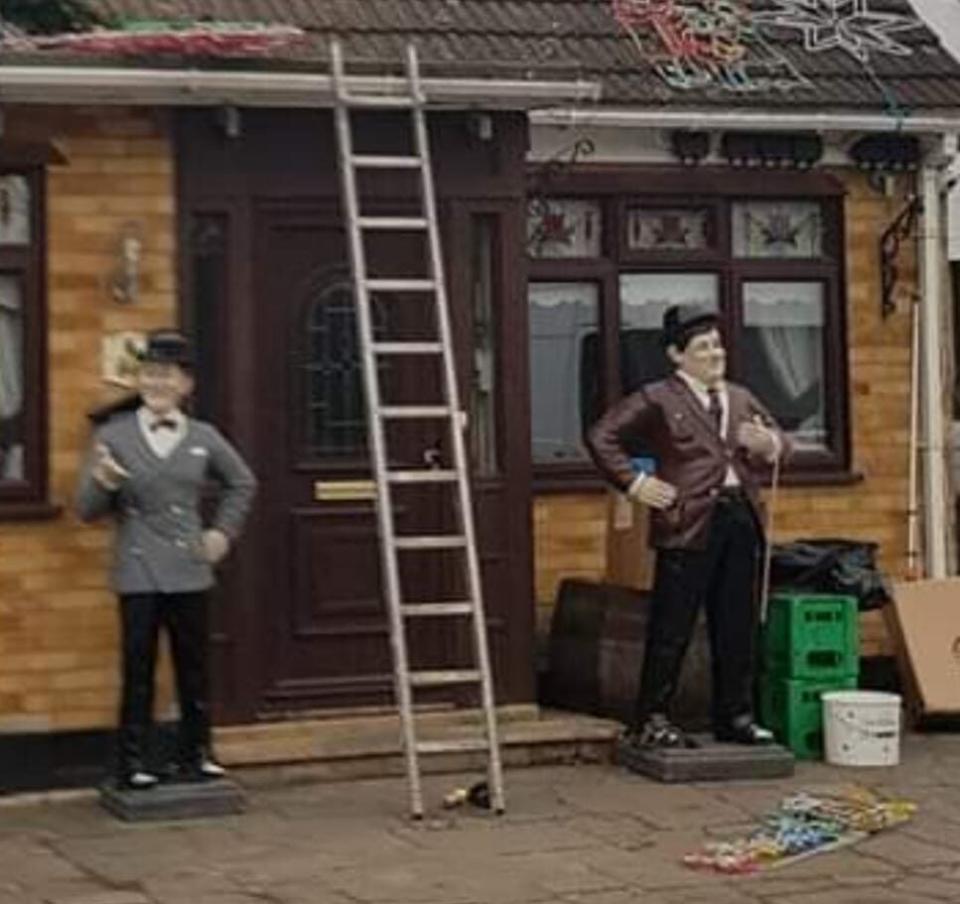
x=682 y=321
x=167 y=346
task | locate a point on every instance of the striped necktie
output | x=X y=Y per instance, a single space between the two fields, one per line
x=714 y=408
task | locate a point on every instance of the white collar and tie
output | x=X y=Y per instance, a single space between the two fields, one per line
x=709 y=397
x=163 y=433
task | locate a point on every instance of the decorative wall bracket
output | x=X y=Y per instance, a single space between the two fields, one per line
x=899 y=230
x=546 y=221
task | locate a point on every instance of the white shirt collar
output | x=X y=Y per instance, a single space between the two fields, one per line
x=162 y=442
x=699 y=387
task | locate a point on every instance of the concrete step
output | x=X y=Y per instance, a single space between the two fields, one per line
x=366 y=746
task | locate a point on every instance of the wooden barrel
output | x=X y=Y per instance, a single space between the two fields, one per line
x=595 y=655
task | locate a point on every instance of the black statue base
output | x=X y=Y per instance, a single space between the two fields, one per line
x=187 y=800
x=710 y=762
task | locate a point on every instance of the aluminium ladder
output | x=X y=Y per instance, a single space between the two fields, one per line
x=374 y=350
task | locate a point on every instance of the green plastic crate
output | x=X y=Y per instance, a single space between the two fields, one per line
x=811 y=636
x=791 y=708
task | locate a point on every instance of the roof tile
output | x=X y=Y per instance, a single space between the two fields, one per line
x=581 y=37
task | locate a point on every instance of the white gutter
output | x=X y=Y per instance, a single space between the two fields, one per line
x=171 y=87
x=933 y=339
x=719 y=119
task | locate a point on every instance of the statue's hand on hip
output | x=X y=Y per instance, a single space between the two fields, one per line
x=653 y=492
x=107 y=471
x=216 y=545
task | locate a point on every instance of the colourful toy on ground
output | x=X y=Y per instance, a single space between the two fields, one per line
x=803 y=825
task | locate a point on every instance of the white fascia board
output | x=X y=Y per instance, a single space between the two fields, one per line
x=744 y=120
x=165 y=87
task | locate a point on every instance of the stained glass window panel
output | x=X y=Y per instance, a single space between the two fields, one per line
x=14 y=210
x=563 y=227
x=332 y=375
x=668 y=229
x=779 y=229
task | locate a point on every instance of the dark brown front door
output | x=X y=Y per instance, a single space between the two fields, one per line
x=302 y=625
x=325 y=638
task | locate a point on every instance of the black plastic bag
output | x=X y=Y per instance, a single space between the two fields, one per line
x=842 y=567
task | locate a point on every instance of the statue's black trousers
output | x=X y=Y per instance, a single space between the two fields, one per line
x=184 y=616
x=723 y=578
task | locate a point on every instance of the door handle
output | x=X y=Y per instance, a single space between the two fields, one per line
x=433 y=456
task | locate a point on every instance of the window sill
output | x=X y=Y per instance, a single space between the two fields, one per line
x=545 y=483
x=29 y=511
x=813 y=478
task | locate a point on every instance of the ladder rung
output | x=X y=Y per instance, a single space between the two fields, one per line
x=401 y=285
x=378 y=100
x=433 y=541
x=439 y=678
x=415 y=610
x=392 y=223
x=407 y=348
x=415 y=411
x=457 y=745
x=423 y=475
x=381 y=161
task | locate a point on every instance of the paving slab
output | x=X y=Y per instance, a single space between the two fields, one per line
x=584 y=834
x=875 y=894
x=899 y=849
x=924 y=887
x=715 y=894
x=98 y=897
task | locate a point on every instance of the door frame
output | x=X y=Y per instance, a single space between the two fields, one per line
x=224 y=186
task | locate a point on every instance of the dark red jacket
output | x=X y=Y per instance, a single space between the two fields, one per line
x=669 y=421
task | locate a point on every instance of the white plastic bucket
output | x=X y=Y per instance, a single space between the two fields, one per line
x=861 y=728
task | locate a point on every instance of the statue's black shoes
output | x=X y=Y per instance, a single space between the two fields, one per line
x=657 y=733
x=744 y=731
x=136 y=780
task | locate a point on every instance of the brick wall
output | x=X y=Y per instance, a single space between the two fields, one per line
x=58 y=640
x=570 y=530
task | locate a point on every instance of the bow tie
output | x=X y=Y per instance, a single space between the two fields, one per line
x=163 y=422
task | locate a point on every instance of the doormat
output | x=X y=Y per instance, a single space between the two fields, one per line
x=804 y=825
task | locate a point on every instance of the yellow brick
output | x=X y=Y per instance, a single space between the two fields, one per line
x=58 y=630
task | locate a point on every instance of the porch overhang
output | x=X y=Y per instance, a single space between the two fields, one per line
x=37 y=84
x=760 y=120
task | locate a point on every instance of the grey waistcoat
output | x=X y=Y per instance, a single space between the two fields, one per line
x=157 y=547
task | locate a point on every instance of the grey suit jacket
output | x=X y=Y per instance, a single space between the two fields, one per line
x=158 y=545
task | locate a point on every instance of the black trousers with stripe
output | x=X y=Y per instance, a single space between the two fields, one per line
x=723 y=578
x=185 y=618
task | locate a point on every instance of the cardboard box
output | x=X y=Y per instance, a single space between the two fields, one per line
x=925 y=621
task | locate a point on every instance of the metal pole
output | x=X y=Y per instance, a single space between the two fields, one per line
x=932 y=393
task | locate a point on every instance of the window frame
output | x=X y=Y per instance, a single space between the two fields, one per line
x=617 y=189
x=28 y=497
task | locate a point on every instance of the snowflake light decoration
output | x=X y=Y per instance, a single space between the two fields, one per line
x=841 y=25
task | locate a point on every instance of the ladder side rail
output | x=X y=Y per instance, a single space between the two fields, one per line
x=461 y=460
x=375 y=429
